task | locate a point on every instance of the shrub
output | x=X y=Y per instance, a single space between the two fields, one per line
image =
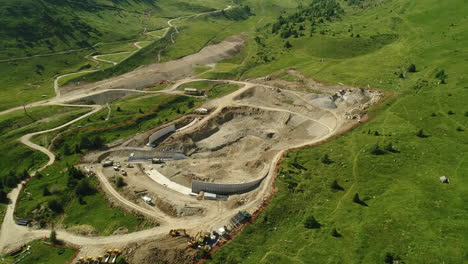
x=335 y=233
x=119 y=182
x=3 y=196
x=460 y=129
x=336 y=186
x=389 y=147
x=326 y=160
x=441 y=76
x=287 y=45
x=450 y=112
x=376 y=150
x=84 y=188
x=55 y=206
x=53 y=237
x=358 y=200
x=412 y=68
x=311 y=223
x=421 y=134
x=46 y=192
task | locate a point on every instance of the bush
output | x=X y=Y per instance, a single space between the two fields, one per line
x=3 y=197
x=326 y=159
x=389 y=147
x=358 y=200
x=376 y=150
x=84 y=188
x=421 y=134
x=335 y=233
x=311 y=223
x=412 y=68
x=46 y=192
x=450 y=112
x=460 y=129
x=441 y=76
x=55 y=206
x=119 y=182
x=336 y=186
x=53 y=237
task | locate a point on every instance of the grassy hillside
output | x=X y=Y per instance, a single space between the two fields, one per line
x=62 y=197
x=403 y=212
x=65 y=33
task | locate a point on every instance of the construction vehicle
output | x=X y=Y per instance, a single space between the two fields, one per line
x=176 y=232
x=200 y=240
x=193 y=243
x=106 y=258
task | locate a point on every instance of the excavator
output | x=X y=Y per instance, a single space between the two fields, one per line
x=177 y=232
x=193 y=243
x=199 y=240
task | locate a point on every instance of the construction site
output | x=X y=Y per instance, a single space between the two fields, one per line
x=205 y=174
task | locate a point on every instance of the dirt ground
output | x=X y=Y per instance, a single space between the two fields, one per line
x=165 y=250
x=237 y=141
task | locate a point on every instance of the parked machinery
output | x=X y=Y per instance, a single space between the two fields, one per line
x=177 y=232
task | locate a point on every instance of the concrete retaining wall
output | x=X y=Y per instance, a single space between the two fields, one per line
x=160 y=133
x=225 y=188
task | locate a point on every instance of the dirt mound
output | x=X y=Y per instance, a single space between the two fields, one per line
x=167 y=250
x=321 y=101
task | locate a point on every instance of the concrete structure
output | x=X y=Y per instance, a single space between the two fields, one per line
x=160 y=133
x=201 y=110
x=225 y=188
x=193 y=91
x=108 y=163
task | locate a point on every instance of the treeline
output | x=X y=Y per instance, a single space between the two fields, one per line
x=88 y=143
x=317 y=12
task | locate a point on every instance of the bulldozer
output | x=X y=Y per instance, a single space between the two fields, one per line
x=177 y=232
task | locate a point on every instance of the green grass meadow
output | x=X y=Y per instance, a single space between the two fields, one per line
x=42 y=254
x=410 y=215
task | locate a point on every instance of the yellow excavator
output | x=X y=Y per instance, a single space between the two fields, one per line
x=177 y=232
x=193 y=243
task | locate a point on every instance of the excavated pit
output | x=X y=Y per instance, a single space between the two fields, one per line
x=237 y=145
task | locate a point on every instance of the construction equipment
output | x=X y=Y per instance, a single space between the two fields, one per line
x=176 y=232
x=193 y=243
x=106 y=258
